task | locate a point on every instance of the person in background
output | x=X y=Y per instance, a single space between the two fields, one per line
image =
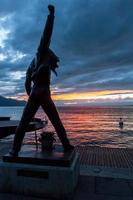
x=38 y=74
x=121 y=124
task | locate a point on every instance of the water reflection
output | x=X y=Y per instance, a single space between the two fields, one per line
x=90 y=126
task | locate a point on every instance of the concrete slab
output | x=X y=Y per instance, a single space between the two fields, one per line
x=9 y=196
x=90 y=188
x=111 y=186
x=103 y=171
x=97 y=188
x=30 y=155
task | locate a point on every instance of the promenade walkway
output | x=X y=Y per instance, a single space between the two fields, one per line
x=105 y=174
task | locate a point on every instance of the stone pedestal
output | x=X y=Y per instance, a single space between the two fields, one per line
x=50 y=174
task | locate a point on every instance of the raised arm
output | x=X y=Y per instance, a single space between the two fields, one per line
x=28 y=80
x=47 y=33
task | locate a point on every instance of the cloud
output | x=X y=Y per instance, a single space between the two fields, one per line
x=94 y=40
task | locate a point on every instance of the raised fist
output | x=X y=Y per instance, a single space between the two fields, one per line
x=51 y=8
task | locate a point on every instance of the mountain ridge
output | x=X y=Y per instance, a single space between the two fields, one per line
x=10 y=102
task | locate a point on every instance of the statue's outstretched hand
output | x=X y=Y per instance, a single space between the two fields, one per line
x=51 y=9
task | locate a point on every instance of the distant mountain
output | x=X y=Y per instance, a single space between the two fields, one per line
x=10 y=102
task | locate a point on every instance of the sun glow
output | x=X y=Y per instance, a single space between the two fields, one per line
x=106 y=95
x=95 y=95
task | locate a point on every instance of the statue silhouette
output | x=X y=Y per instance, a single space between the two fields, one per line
x=39 y=94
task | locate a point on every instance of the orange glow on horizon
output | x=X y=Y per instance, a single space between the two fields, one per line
x=84 y=95
x=19 y=98
x=90 y=95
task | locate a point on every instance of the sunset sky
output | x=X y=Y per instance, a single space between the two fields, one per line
x=93 y=38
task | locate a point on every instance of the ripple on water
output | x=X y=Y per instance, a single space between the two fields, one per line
x=87 y=126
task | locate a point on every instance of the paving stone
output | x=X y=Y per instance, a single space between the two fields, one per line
x=111 y=186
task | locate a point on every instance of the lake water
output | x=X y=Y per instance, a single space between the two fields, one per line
x=87 y=125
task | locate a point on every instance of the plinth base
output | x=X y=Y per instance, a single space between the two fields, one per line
x=52 y=174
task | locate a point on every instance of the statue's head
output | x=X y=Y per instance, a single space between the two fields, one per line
x=53 y=60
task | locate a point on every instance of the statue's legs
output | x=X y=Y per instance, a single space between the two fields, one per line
x=28 y=113
x=50 y=109
x=35 y=100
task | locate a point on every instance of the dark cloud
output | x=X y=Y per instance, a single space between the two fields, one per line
x=94 y=40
